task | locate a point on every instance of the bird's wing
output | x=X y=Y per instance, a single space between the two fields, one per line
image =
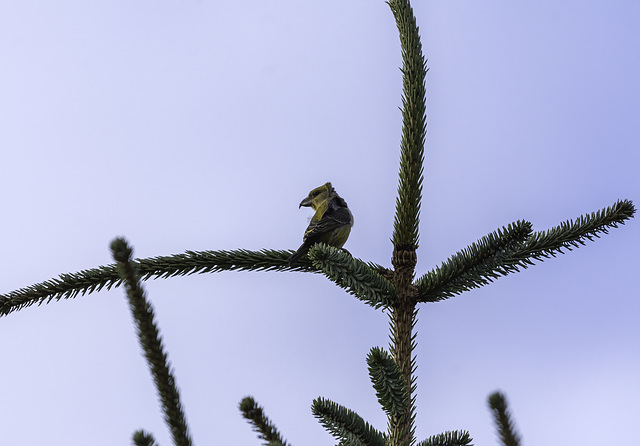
x=335 y=217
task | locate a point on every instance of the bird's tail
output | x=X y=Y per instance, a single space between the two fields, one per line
x=302 y=250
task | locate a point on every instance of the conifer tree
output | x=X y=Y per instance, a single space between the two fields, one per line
x=397 y=290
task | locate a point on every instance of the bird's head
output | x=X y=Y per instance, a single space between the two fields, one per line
x=318 y=196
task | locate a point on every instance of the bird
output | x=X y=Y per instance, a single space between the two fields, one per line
x=331 y=224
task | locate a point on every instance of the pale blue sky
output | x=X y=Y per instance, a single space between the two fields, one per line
x=201 y=125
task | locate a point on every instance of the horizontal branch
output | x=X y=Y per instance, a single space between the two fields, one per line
x=514 y=257
x=472 y=266
x=451 y=438
x=70 y=285
x=357 y=277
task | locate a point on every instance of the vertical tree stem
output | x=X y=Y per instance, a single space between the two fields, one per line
x=403 y=318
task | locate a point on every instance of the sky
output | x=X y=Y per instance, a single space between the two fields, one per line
x=200 y=125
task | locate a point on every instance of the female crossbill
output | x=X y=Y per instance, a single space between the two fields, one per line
x=331 y=224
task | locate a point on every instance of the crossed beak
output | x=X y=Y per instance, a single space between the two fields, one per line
x=306 y=202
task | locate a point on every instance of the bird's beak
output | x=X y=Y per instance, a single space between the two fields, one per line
x=306 y=202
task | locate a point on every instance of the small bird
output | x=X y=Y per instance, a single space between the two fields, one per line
x=331 y=224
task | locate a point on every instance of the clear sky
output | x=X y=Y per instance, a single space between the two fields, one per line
x=201 y=125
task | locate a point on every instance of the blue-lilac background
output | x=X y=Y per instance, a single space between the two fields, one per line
x=201 y=125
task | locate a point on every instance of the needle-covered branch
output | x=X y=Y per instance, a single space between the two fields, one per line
x=454 y=438
x=142 y=438
x=460 y=273
x=345 y=425
x=149 y=337
x=502 y=418
x=387 y=379
x=572 y=234
x=87 y=281
x=414 y=128
x=354 y=275
x=473 y=266
x=266 y=430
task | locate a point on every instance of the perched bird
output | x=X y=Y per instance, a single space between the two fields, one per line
x=331 y=224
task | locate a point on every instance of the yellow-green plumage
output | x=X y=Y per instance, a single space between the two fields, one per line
x=331 y=223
